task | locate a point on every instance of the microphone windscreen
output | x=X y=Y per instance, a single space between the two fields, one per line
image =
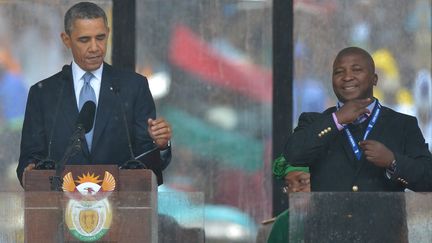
x=86 y=116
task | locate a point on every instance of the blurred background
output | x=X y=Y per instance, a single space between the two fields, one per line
x=209 y=65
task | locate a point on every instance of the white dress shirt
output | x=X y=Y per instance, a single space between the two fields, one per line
x=78 y=81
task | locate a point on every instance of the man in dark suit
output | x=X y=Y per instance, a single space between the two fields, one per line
x=121 y=98
x=359 y=145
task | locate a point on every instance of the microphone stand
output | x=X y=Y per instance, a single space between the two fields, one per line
x=133 y=163
x=136 y=163
x=74 y=147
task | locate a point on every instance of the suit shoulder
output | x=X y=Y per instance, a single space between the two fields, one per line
x=48 y=82
x=317 y=114
x=330 y=110
x=310 y=114
x=398 y=119
x=127 y=75
x=397 y=115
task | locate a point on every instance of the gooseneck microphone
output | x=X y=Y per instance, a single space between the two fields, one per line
x=83 y=125
x=132 y=163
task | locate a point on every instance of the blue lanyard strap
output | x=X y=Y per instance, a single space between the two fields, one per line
x=354 y=146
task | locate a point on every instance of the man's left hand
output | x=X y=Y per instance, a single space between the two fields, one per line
x=160 y=132
x=377 y=153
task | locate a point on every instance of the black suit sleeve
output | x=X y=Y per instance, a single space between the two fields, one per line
x=414 y=161
x=305 y=145
x=145 y=109
x=33 y=136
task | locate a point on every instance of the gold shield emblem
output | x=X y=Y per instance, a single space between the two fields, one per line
x=88 y=220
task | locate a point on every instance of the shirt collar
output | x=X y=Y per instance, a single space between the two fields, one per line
x=363 y=117
x=78 y=72
x=370 y=107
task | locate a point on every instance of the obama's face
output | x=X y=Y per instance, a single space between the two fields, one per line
x=88 y=42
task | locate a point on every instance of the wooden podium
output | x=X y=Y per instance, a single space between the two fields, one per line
x=133 y=206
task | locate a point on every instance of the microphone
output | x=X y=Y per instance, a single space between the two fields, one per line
x=48 y=163
x=83 y=125
x=132 y=163
x=86 y=116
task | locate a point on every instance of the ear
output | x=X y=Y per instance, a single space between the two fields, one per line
x=375 y=79
x=66 y=39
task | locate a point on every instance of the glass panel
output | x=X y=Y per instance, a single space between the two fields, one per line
x=30 y=50
x=396 y=33
x=209 y=69
x=360 y=217
x=181 y=216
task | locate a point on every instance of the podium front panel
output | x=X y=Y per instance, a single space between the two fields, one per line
x=118 y=217
x=60 y=217
x=360 y=217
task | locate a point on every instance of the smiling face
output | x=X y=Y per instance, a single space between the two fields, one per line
x=353 y=75
x=88 y=42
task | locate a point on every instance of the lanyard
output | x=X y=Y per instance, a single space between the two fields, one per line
x=354 y=146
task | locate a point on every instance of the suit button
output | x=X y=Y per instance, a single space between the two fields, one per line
x=355 y=188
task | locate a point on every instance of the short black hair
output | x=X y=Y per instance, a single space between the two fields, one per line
x=83 y=10
x=360 y=51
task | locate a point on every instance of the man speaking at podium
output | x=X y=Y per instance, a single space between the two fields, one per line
x=125 y=124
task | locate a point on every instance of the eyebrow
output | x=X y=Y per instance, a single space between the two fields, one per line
x=300 y=178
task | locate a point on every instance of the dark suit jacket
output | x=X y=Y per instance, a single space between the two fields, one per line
x=52 y=112
x=358 y=217
x=334 y=167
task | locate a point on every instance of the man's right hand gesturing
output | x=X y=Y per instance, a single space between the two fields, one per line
x=352 y=109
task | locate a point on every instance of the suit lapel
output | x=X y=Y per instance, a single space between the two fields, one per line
x=380 y=126
x=342 y=140
x=107 y=100
x=69 y=106
x=69 y=103
x=375 y=133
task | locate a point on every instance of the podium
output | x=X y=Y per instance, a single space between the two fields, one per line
x=126 y=214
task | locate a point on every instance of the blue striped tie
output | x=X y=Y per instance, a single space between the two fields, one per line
x=87 y=93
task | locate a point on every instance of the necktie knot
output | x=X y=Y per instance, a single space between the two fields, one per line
x=87 y=77
x=87 y=91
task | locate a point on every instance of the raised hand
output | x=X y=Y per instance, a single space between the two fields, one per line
x=160 y=132
x=352 y=109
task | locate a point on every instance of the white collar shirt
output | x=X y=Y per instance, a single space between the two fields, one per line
x=78 y=81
